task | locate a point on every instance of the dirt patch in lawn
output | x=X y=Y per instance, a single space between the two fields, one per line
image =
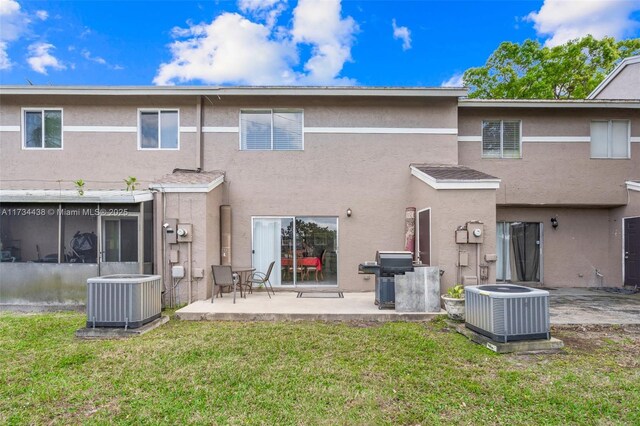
x=623 y=340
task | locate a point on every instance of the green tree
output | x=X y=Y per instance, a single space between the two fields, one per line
x=532 y=71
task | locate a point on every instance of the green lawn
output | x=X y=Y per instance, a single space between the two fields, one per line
x=308 y=373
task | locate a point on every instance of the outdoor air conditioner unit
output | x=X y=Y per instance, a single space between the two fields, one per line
x=123 y=300
x=505 y=312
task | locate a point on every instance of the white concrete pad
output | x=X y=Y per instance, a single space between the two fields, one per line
x=287 y=306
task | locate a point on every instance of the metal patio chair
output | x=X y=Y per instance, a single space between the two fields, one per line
x=224 y=277
x=259 y=278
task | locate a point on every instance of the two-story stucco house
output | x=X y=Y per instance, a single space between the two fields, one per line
x=293 y=174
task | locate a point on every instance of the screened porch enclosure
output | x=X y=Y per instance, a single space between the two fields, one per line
x=49 y=249
x=304 y=249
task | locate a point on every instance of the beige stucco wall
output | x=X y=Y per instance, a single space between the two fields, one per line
x=583 y=242
x=449 y=210
x=101 y=159
x=553 y=172
x=189 y=208
x=368 y=173
x=625 y=85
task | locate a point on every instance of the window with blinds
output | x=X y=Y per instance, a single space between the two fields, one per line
x=271 y=130
x=610 y=139
x=501 y=139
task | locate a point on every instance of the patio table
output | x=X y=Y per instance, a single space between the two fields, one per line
x=243 y=272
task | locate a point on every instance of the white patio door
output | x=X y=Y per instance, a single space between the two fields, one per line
x=267 y=246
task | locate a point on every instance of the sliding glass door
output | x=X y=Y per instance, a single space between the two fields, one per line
x=519 y=248
x=304 y=249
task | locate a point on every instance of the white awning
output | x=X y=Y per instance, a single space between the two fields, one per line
x=72 y=196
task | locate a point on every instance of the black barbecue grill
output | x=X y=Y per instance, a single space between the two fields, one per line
x=388 y=264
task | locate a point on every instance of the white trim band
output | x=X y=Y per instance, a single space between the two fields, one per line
x=634 y=139
x=383 y=130
x=188 y=129
x=469 y=138
x=455 y=184
x=633 y=186
x=9 y=128
x=209 y=129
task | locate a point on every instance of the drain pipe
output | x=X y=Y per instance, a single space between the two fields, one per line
x=190 y=262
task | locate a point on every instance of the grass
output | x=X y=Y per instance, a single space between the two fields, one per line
x=308 y=373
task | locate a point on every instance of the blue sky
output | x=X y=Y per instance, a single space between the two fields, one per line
x=279 y=42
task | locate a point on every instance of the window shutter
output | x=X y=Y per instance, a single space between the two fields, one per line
x=491 y=139
x=599 y=138
x=511 y=139
x=287 y=130
x=255 y=129
x=620 y=139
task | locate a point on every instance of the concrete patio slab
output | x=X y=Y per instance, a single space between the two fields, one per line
x=568 y=306
x=286 y=306
x=583 y=306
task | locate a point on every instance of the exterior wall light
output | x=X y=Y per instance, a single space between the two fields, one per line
x=349 y=212
x=554 y=222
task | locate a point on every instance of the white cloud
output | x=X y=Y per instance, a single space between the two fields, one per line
x=233 y=49
x=40 y=59
x=454 y=81
x=255 y=5
x=564 y=20
x=14 y=22
x=402 y=33
x=264 y=10
x=5 y=63
x=97 y=59
x=319 y=23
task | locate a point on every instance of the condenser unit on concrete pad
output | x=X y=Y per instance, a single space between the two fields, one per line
x=505 y=312
x=123 y=300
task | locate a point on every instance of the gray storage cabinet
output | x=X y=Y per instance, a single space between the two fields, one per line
x=123 y=300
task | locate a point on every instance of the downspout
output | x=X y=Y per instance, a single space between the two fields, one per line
x=190 y=261
x=199 y=133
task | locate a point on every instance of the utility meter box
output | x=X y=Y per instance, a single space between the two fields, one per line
x=185 y=233
x=177 y=272
x=475 y=232
x=461 y=236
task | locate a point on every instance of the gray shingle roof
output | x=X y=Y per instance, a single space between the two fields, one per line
x=452 y=172
x=182 y=177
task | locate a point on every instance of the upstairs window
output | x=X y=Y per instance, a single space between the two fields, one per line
x=271 y=130
x=501 y=139
x=158 y=129
x=42 y=128
x=610 y=139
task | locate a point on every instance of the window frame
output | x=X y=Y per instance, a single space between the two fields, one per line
x=271 y=111
x=501 y=156
x=158 y=111
x=41 y=110
x=609 y=140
